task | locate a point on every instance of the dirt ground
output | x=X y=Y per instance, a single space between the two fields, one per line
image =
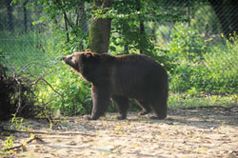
x=186 y=133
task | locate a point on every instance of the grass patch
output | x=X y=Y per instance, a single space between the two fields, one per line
x=186 y=101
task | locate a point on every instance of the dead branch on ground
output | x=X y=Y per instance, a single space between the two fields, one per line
x=49 y=133
x=23 y=145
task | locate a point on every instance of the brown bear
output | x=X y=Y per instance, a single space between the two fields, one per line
x=120 y=78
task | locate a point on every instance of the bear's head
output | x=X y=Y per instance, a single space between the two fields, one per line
x=91 y=65
x=82 y=62
x=77 y=60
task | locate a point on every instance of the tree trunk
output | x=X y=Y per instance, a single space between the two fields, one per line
x=81 y=21
x=25 y=16
x=126 y=49
x=81 y=17
x=141 y=27
x=227 y=13
x=99 y=31
x=10 y=25
x=154 y=28
x=66 y=27
x=2 y=19
x=1 y=22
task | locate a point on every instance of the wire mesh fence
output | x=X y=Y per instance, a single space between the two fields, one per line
x=198 y=29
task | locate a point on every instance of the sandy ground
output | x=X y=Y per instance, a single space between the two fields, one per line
x=186 y=133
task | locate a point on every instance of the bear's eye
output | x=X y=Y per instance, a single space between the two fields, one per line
x=73 y=59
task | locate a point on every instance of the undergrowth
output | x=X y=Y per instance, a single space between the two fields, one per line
x=202 y=73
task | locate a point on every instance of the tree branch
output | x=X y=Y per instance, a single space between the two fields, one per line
x=23 y=145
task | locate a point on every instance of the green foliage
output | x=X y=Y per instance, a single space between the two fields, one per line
x=199 y=69
x=186 y=50
x=180 y=41
x=17 y=122
x=39 y=55
x=205 y=21
x=9 y=142
x=66 y=93
x=69 y=93
x=187 y=43
x=221 y=64
x=69 y=13
x=130 y=31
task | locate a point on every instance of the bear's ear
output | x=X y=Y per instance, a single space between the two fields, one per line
x=91 y=58
x=88 y=55
x=88 y=58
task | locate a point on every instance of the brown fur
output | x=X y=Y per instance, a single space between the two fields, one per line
x=121 y=78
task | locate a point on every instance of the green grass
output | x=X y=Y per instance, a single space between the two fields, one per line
x=187 y=101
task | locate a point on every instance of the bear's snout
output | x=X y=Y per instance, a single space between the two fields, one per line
x=62 y=58
x=67 y=59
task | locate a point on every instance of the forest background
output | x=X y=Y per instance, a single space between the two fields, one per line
x=195 y=40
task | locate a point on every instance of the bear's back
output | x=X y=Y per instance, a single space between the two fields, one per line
x=135 y=59
x=131 y=73
x=138 y=64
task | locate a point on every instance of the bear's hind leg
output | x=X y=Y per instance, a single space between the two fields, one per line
x=145 y=108
x=160 y=109
x=123 y=105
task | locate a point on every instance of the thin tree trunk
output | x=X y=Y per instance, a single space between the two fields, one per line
x=10 y=25
x=25 y=16
x=227 y=13
x=81 y=21
x=99 y=32
x=126 y=49
x=142 y=26
x=154 y=27
x=67 y=22
x=1 y=22
x=66 y=27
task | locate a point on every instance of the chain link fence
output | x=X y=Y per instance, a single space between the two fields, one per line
x=23 y=42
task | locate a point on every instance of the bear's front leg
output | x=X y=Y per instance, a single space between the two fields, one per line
x=123 y=105
x=101 y=100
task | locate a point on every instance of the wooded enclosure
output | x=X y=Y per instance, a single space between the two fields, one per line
x=193 y=42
